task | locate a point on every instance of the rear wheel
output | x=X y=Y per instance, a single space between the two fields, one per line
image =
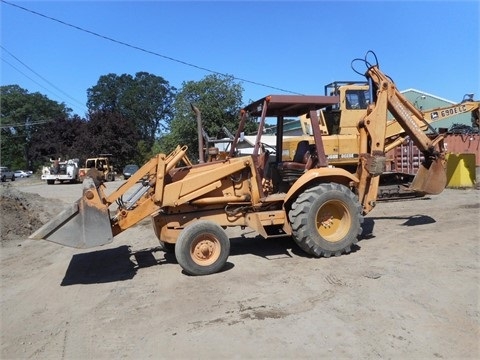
x=326 y=220
x=202 y=248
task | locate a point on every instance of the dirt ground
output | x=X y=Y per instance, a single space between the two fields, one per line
x=410 y=289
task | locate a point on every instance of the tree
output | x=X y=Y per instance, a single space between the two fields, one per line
x=22 y=116
x=145 y=100
x=110 y=133
x=219 y=99
x=57 y=139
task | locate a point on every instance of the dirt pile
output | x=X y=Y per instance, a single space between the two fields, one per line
x=21 y=213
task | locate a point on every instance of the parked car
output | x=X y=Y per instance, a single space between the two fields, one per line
x=6 y=173
x=129 y=170
x=21 y=174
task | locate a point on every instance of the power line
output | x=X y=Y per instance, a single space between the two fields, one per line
x=147 y=51
x=36 y=82
x=40 y=76
x=28 y=77
x=38 y=122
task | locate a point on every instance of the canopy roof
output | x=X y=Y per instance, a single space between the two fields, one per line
x=290 y=105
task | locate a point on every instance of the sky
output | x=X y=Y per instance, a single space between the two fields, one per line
x=270 y=47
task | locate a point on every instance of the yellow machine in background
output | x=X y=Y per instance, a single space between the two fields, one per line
x=338 y=123
x=102 y=166
x=341 y=139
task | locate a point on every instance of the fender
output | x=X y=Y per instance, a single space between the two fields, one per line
x=317 y=175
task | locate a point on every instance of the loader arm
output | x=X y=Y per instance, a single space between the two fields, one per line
x=155 y=187
x=431 y=177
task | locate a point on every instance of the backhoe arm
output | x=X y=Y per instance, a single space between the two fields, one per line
x=431 y=177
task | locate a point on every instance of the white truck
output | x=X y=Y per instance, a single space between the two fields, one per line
x=63 y=171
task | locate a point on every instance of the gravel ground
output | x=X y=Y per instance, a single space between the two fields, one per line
x=410 y=289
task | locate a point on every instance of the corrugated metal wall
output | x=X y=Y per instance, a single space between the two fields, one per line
x=464 y=144
x=406 y=157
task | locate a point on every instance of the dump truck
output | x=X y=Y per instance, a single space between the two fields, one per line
x=320 y=206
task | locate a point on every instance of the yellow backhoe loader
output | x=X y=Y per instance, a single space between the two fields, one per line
x=338 y=123
x=341 y=138
x=320 y=206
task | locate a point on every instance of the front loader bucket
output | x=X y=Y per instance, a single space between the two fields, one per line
x=84 y=224
x=432 y=179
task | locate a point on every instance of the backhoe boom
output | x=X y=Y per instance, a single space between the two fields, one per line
x=431 y=177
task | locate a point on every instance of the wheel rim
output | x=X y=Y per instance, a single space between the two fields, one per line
x=333 y=221
x=205 y=249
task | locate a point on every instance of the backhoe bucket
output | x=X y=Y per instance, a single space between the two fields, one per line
x=431 y=180
x=84 y=224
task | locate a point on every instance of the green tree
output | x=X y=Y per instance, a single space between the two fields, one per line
x=145 y=100
x=22 y=116
x=219 y=99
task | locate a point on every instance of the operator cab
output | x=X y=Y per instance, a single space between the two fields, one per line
x=277 y=167
x=342 y=118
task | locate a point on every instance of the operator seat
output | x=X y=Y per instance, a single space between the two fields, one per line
x=303 y=160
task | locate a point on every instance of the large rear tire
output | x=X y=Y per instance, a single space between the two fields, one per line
x=202 y=248
x=326 y=220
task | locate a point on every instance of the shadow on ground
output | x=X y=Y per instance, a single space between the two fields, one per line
x=110 y=265
x=414 y=220
x=121 y=263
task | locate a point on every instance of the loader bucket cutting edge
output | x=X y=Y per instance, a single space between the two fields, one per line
x=431 y=180
x=79 y=226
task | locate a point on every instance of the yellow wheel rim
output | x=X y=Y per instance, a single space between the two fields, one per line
x=333 y=221
x=205 y=249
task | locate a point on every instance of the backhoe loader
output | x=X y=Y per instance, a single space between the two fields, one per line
x=320 y=206
x=341 y=139
x=338 y=123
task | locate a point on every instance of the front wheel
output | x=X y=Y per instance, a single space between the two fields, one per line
x=326 y=220
x=202 y=248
